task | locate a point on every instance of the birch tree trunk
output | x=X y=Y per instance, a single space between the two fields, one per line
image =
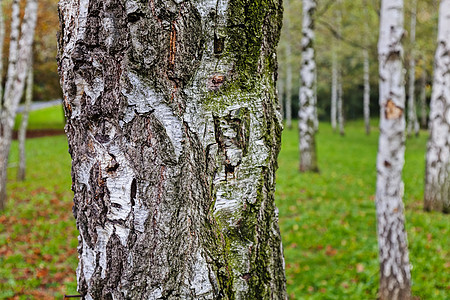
x=395 y=277
x=366 y=96
x=307 y=123
x=412 y=116
x=340 y=103
x=280 y=93
x=437 y=180
x=24 y=123
x=366 y=91
x=423 y=99
x=288 y=50
x=2 y=41
x=334 y=82
x=174 y=132
x=19 y=53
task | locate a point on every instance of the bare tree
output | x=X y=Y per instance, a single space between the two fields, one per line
x=437 y=178
x=19 y=53
x=395 y=276
x=2 y=41
x=413 y=123
x=288 y=49
x=173 y=130
x=307 y=113
x=24 y=123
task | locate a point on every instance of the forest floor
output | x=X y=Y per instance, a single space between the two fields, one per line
x=327 y=220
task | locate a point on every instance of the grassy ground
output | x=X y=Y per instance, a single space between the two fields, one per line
x=327 y=221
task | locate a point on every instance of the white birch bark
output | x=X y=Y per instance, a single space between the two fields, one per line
x=288 y=50
x=423 y=99
x=340 y=100
x=412 y=116
x=366 y=96
x=395 y=277
x=437 y=180
x=17 y=71
x=173 y=130
x=24 y=123
x=307 y=114
x=2 y=41
x=334 y=75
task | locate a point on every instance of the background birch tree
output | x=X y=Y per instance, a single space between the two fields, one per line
x=395 y=276
x=288 y=49
x=413 y=123
x=174 y=134
x=437 y=177
x=308 y=123
x=24 y=122
x=19 y=54
x=2 y=42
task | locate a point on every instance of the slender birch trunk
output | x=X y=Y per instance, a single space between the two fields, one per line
x=340 y=106
x=280 y=93
x=288 y=50
x=334 y=89
x=412 y=116
x=307 y=114
x=173 y=130
x=366 y=91
x=423 y=99
x=19 y=53
x=366 y=96
x=2 y=41
x=340 y=100
x=24 y=123
x=437 y=178
x=395 y=277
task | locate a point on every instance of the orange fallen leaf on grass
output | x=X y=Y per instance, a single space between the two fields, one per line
x=330 y=251
x=359 y=268
x=41 y=273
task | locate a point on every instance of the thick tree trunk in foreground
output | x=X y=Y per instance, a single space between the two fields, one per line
x=174 y=134
x=437 y=178
x=366 y=91
x=412 y=115
x=19 y=54
x=24 y=123
x=308 y=122
x=395 y=277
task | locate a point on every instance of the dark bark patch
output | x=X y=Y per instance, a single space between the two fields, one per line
x=133 y=192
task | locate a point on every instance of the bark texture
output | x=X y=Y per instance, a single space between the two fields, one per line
x=395 y=277
x=19 y=54
x=24 y=123
x=308 y=123
x=174 y=132
x=2 y=41
x=437 y=180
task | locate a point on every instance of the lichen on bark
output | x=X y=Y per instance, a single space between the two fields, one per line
x=174 y=135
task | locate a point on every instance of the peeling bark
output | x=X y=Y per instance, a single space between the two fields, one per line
x=437 y=177
x=24 y=123
x=19 y=53
x=395 y=276
x=174 y=132
x=307 y=114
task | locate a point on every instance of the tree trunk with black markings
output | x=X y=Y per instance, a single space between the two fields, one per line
x=437 y=177
x=307 y=114
x=395 y=276
x=19 y=55
x=174 y=133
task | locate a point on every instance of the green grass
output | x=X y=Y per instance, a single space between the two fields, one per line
x=327 y=221
x=46 y=118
